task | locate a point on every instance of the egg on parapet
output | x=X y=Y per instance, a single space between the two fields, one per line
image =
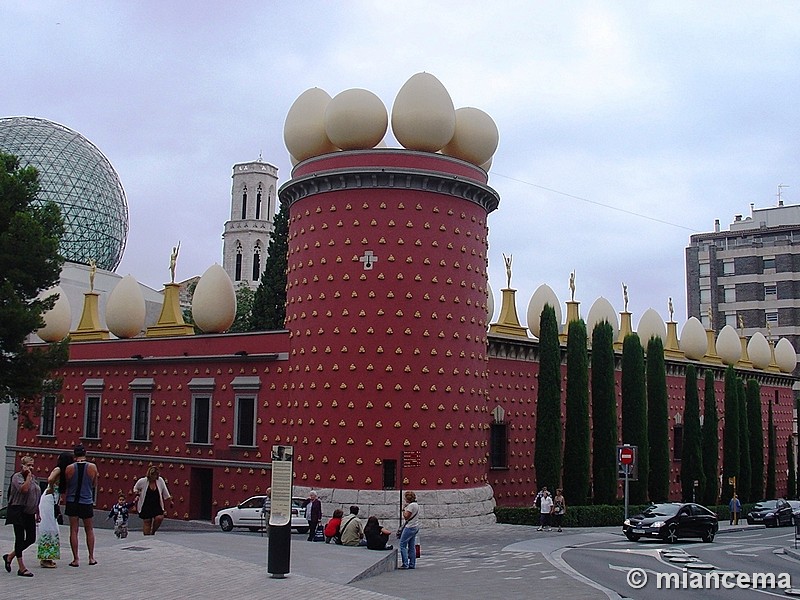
x=125 y=309
x=601 y=310
x=356 y=120
x=489 y=303
x=214 y=301
x=785 y=355
x=423 y=116
x=694 y=341
x=543 y=295
x=729 y=346
x=475 y=138
x=57 y=320
x=651 y=325
x=304 y=129
x=758 y=351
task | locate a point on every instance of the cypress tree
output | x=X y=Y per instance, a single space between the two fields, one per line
x=634 y=413
x=576 y=427
x=547 y=450
x=710 y=434
x=692 y=457
x=744 y=482
x=657 y=421
x=791 y=483
x=756 y=433
x=730 y=433
x=772 y=451
x=269 y=302
x=604 y=415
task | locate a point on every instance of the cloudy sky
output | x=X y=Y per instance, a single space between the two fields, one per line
x=624 y=126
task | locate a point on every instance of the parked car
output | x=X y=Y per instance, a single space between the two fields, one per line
x=783 y=513
x=248 y=514
x=758 y=513
x=671 y=521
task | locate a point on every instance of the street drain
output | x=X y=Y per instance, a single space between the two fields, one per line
x=136 y=548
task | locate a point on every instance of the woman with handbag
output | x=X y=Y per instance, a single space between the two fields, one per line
x=23 y=514
x=408 y=535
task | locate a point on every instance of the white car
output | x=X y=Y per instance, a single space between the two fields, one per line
x=248 y=514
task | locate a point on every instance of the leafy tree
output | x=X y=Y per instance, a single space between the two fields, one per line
x=772 y=451
x=576 y=428
x=791 y=482
x=634 y=413
x=269 y=302
x=657 y=421
x=730 y=432
x=244 y=307
x=743 y=482
x=604 y=415
x=30 y=232
x=692 y=457
x=756 y=434
x=710 y=435
x=547 y=451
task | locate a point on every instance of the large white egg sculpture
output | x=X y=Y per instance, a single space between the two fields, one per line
x=57 y=320
x=125 y=309
x=355 y=120
x=600 y=311
x=423 y=116
x=694 y=341
x=651 y=325
x=475 y=138
x=785 y=355
x=758 y=350
x=304 y=128
x=544 y=294
x=729 y=346
x=489 y=303
x=214 y=301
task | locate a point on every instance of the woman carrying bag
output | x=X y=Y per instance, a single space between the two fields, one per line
x=23 y=514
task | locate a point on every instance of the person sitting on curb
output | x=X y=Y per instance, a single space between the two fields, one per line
x=376 y=535
x=332 y=527
x=351 y=530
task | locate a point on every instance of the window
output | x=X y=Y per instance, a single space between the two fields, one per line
x=769 y=263
x=92 y=424
x=257 y=263
x=677 y=442
x=48 y=416
x=498 y=446
x=245 y=421
x=705 y=269
x=731 y=319
x=770 y=290
x=244 y=203
x=258 y=202
x=771 y=316
x=141 y=418
x=389 y=474
x=705 y=295
x=728 y=267
x=201 y=420
x=730 y=294
x=238 y=271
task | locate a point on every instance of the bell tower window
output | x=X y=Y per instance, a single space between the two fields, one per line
x=244 y=202
x=257 y=262
x=238 y=272
x=258 y=202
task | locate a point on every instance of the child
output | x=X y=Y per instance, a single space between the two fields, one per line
x=119 y=512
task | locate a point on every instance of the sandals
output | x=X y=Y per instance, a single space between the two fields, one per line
x=8 y=563
x=25 y=573
x=92 y=562
x=74 y=564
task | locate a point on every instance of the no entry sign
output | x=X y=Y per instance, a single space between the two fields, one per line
x=626 y=456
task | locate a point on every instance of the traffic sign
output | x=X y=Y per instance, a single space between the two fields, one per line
x=626 y=456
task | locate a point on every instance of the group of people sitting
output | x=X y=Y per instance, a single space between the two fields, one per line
x=348 y=531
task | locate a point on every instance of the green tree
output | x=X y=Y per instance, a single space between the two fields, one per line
x=692 y=456
x=634 y=413
x=576 y=427
x=756 y=434
x=269 y=303
x=244 y=308
x=30 y=232
x=710 y=435
x=657 y=421
x=791 y=482
x=604 y=415
x=730 y=433
x=772 y=451
x=547 y=450
x=743 y=482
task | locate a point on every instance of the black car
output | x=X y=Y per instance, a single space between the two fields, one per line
x=782 y=514
x=759 y=512
x=672 y=521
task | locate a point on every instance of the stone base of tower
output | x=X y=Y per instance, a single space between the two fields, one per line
x=438 y=508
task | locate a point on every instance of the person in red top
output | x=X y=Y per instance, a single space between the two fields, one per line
x=332 y=527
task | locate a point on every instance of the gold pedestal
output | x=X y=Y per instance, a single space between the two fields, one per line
x=711 y=349
x=744 y=361
x=508 y=321
x=573 y=314
x=170 y=322
x=89 y=327
x=672 y=349
x=625 y=328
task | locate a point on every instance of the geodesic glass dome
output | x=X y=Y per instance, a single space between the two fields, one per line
x=75 y=175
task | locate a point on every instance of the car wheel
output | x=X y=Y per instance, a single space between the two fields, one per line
x=302 y=529
x=632 y=536
x=672 y=534
x=226 y=523
x=708 y=536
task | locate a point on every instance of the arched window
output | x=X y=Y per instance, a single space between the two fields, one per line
x=269 y=202
x=244 y=202
x=257 y=262
x=238 y=273
x=258 y=202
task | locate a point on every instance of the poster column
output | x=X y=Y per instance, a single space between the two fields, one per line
x=280 y=516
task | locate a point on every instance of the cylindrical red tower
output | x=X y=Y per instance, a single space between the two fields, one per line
x=387 y=313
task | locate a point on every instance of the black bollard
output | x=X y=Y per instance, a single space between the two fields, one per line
x=279 y=550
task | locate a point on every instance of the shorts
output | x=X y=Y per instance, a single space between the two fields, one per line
x=82 y=511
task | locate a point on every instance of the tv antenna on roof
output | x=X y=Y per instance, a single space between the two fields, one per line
x=780 y=193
